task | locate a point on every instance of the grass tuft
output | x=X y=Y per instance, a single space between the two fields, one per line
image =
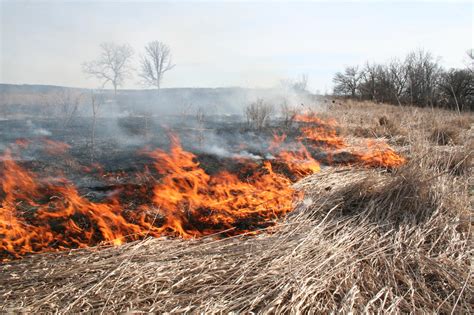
x=445 y=135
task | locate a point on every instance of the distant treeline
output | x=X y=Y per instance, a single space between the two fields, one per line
x=417 y=80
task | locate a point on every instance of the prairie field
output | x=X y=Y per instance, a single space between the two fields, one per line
x=236 y=157
x=361 y=239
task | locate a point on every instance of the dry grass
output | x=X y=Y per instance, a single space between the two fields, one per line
x=464 y=122
x=455 y=160
x=445 y=135
x=361 y=241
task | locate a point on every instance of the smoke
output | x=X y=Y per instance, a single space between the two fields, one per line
x=212 y=101
x=224 y=152
x=37 y=131
x=200 y=117
x=41 y=132
x=207 y=120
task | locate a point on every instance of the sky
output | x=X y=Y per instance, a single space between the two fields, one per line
x=227 y=43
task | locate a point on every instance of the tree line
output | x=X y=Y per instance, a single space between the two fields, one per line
x=114 y=64
x=417 y=80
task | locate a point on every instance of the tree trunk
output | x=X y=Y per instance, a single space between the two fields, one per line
x=455 y=99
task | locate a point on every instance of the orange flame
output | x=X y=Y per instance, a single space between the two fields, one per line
x=195 y=203
x=379 y=154
x=55 y=147
x=320 y=132
x=40 y=214
x=296 y=158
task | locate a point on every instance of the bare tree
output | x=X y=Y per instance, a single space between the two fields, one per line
x=398 y=78
x=96 y=102
x=155 y=62
x=418 y=80
x=368 y=84
x=200 y=120
x=288 y=114
x=65 y=103
x=376 y=83
x=347 y=83
x=457 y=87
x=423 y=73
x=112 y=66
x=258 y=113
x=300 y=84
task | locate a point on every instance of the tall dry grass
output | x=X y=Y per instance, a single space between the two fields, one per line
x=361 y=241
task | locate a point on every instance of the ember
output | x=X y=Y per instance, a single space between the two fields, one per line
x=41 y=214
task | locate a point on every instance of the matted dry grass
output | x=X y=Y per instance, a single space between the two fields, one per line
x=361 y=240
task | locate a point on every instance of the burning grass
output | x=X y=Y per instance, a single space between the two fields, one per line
x=333 y=254
x=180 y=199
x=365 y=240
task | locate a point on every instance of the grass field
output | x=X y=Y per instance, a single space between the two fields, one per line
x=362 y=240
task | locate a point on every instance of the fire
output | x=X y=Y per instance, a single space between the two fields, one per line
x=379 y=154
x=320 y=132
x=295 y=156
x=55 y=147
x=317 y=132
x=194 y=203
x=36 y=216
x=39 y=213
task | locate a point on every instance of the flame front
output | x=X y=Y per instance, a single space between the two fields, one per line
x=194 y=203
x=46 y=214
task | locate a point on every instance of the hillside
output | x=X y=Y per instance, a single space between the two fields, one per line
x=226 y=100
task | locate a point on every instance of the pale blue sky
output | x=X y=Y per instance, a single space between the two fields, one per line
x=228 y=43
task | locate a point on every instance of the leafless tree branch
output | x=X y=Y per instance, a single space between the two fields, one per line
x=155 y=63
x=112 y=66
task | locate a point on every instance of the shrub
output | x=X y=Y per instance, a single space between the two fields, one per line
x=258 y=113
x=288 y=114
